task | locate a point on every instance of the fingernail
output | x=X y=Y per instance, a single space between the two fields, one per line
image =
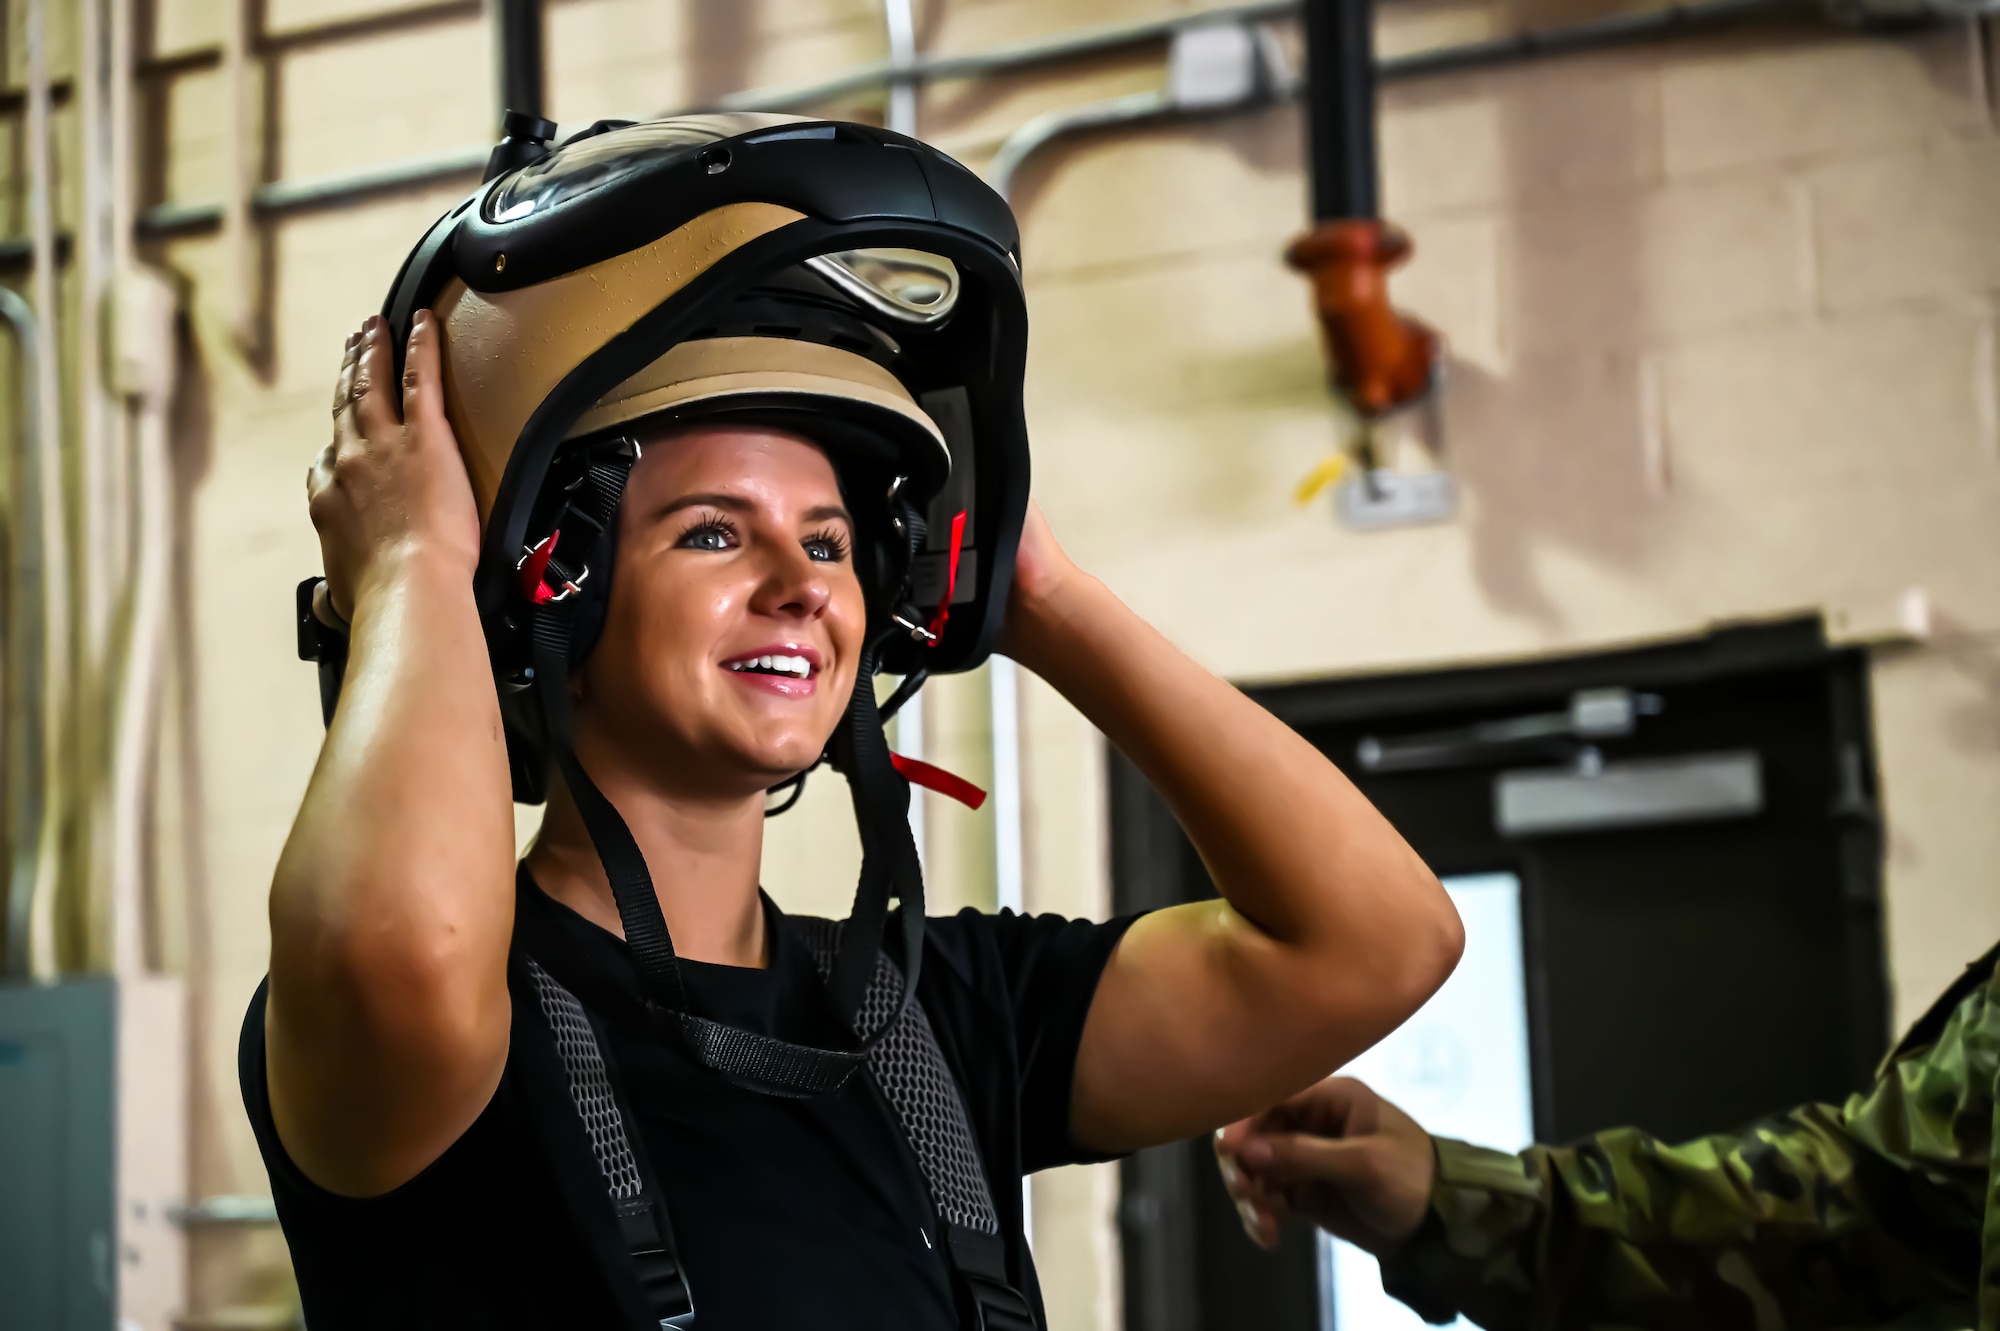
x=422 y=319
x=1248 y=1214
x=1231 y=1175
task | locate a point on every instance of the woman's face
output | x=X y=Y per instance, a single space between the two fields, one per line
x=736 y=620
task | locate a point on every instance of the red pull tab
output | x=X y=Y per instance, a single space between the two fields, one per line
x=943 y=615
x=920 y=773
x=533 y=565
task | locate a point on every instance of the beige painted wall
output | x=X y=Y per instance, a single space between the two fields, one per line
x=1723 y=345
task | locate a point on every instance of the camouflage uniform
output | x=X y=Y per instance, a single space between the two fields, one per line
x=1883 y=1212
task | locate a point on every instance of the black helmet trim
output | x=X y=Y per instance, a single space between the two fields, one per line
x=841 y=173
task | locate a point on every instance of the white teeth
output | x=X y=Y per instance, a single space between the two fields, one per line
x=795 y=666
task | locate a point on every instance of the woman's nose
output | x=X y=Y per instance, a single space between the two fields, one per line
x=795 y=586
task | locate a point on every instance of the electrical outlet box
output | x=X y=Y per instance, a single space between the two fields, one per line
x=1383 y=499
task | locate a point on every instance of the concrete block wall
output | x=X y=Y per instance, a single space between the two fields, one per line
x=1723 y=344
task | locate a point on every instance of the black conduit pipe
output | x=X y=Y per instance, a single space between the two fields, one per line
x=518 y=35
x=1340 y=107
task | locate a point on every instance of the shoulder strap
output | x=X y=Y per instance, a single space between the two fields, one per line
x=641 y=1212
x=909 y=1067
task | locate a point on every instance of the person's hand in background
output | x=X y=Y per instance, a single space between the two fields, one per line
x=1336 y=1154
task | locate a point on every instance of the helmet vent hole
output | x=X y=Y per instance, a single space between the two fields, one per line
x=499 y=263
x=715 y=161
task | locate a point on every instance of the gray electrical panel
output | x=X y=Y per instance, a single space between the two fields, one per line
x=58 y=1059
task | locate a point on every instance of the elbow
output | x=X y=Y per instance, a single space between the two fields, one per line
x=422 y=989
x=1407 y=959
x=1426 y=952
x=1442 y=946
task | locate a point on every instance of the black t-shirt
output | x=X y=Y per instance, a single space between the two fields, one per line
x=786 y=1213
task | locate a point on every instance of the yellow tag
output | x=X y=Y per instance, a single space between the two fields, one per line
x=1325 y=474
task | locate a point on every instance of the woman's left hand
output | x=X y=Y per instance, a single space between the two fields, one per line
x=1041 y=573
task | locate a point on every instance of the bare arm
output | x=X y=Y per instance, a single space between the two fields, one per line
x=1330 y=932
x=392 y=906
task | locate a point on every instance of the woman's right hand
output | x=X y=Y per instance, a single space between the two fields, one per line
x=391 y=486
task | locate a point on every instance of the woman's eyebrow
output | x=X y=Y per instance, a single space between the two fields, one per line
x=735 y=503
x=739 y=504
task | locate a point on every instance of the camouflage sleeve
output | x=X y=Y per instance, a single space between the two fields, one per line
x=1818 y=1216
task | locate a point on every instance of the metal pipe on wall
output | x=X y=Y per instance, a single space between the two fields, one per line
x=240 y=164
x=98 y=529
x=1340 y=110
x=286 y=197
x=901 y=23
x=52 y=628
x=143 y=366
x=25 y=738
x=519 y=43
x=900 y=29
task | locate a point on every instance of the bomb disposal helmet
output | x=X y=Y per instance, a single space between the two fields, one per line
x=837 y=280
x=846 y=282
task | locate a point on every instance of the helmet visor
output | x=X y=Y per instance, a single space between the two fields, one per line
x=583 y=166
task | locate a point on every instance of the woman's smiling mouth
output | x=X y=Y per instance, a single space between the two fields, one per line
x=787 y=669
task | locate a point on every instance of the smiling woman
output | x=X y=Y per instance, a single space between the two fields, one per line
x=615 y=1085
x=731 y=646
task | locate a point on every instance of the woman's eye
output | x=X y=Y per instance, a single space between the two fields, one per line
x=708 y=536
x=827 y=548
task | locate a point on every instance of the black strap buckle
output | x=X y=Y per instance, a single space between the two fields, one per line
x=982 y=1261
x=998 y=1307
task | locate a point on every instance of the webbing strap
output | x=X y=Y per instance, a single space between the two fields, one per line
x=635 y=1200
x=981 y=1259
x=758 y=1062
x=910 y=1069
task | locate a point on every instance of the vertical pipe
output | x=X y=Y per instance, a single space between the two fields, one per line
x=1003 y=692
x=1340 y=107
x=25 y=735
x=1003 y=684
x=97 y=537
x=518 y=39
x=145 y=366
x=53 y=545
x=102 y=541
x=1004 y=704
x=241 y=164
x=902 y=118
x=902 y=25
x=142 y=306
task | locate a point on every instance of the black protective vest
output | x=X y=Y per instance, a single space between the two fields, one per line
x=909 y=1073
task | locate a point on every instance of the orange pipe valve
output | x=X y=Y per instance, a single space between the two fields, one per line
x=1377 y=358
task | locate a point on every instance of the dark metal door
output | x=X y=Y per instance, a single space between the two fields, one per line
x=1685 y=976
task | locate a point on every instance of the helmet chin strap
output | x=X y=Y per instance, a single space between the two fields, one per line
x=889 y=868
x=889 y=865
